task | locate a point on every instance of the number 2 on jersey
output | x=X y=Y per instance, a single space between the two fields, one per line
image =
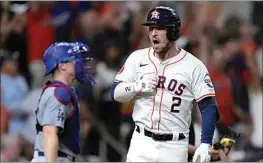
x=176 y=103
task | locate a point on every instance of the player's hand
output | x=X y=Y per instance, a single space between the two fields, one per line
x=218 y=155
x=202 y=153
x=147 y=84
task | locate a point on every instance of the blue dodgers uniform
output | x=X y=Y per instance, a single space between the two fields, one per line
x=58 y=106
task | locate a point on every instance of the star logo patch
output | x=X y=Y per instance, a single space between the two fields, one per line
x=155 y=15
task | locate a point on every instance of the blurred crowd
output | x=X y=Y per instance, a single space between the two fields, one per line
x=225 y=36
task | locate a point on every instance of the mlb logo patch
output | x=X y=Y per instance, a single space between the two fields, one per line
x=155 y=15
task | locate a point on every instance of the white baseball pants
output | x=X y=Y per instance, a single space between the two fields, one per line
x=145 y=149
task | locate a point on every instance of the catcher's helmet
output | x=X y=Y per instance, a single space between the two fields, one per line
x=60 y=52
x=165 y=17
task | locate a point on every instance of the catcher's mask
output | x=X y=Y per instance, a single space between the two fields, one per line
x=60 y=52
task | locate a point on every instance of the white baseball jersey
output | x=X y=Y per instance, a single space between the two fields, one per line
x=181 y=80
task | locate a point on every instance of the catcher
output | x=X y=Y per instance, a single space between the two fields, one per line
x=57 y=115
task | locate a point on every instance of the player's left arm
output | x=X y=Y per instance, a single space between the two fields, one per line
x=210 y=115
x=204 y=93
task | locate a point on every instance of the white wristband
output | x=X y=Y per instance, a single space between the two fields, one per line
x=124 y=92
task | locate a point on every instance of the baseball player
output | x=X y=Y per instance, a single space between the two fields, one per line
x=165 y=82
x=57 y=115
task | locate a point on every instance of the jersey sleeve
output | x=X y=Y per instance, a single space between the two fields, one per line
x=55 y=113
x=202 y=85
x=128 y=70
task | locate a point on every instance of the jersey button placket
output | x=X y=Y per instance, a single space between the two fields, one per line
x=155 y=115
x=157 y=98
x=161 y=73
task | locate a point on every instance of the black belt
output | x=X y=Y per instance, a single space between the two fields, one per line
x=60 y=154
x=159 y=137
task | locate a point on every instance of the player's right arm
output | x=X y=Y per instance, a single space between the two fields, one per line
x=125 y=86
x=50 y=143
x=54 y=116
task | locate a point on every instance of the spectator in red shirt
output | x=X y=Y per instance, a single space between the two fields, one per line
x=40 y=34
x=223 y=89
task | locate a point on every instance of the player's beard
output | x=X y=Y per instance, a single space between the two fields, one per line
x=162 y=48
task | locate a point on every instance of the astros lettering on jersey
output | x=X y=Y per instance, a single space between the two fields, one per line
x=182 y=80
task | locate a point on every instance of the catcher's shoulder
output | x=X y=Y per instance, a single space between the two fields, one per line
x=57 y=94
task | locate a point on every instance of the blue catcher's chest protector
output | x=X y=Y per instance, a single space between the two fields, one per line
x=70 y=136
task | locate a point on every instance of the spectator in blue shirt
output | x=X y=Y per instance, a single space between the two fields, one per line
x=13 y=90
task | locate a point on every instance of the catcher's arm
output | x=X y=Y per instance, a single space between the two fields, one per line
x=53 y=120
x=50 y=143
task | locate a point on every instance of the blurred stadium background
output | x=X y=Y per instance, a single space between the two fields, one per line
x=226 y=36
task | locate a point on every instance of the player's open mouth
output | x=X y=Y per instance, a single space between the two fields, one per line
x=155 y=42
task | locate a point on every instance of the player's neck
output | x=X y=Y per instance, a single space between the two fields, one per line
x=172 y=51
